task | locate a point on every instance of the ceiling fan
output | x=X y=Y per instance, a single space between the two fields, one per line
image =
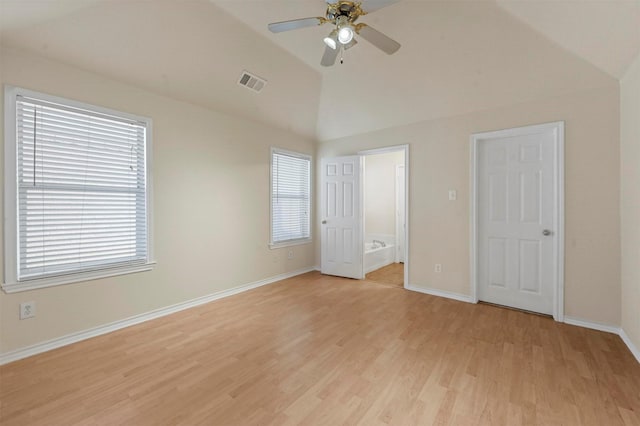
x=343 y=14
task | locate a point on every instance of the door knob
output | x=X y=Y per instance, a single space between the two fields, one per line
x=324 y=222
x=546 y=232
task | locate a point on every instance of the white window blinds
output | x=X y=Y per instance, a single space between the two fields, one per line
x=81 y=190
x=290 y=197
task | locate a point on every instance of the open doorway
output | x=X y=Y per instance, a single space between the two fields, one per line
x=349 y=248
x=384 y=213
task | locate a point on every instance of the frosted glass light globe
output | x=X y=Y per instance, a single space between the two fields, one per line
x=345 y=34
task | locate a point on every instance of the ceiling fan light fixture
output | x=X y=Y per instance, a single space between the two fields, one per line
x=332 y=40
x=342 y=15
x=345 y=34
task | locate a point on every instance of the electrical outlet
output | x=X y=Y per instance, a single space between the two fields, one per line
x=453 y=195
x=27 y=310
x=438 y=267
x=290 y=254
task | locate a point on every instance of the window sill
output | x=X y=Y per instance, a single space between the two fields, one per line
x=15 y=287
x=283 y=244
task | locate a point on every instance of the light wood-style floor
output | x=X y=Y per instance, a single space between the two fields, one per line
x=323 y=350
x=391 y=274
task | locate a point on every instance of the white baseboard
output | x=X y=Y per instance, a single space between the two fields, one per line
x=592 y=325
x=608 y=329
x=440 y=293
x=137 y=319
x=568 y=320
x=634 y=350
x=157 y=313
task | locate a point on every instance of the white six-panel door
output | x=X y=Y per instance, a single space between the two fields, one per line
x=516 y=218
x=341 y=217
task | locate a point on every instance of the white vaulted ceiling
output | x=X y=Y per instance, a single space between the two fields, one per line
x=456 y=56
x=189 y=50
x=605 y=33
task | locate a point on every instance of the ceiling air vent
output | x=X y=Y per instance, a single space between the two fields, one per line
x=251 y=81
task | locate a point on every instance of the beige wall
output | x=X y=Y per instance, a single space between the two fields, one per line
x=630 y=200
x=211 y=219
x=211 y=208
x=380 y=192
x=439 y=161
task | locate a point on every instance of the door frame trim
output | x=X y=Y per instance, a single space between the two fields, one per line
x=558 y=128
x=404 y=231
x=385 y=150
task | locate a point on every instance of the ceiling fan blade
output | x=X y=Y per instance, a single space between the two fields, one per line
x=329 y=57
x=294 y=24
x=373 y=5
x=379 y=40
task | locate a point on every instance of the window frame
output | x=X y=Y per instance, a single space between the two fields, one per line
x=299 y=241
x=10 y=283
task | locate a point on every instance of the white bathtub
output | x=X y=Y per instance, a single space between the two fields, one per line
x=376 y=256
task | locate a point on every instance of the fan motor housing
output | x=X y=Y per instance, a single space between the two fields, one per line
x=350 y=9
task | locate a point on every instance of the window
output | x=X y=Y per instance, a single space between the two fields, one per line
x=290 y=198
x=76 y=191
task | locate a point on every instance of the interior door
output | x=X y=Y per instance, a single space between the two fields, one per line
x=516 y=210
x=341 y=217
x=400 y=213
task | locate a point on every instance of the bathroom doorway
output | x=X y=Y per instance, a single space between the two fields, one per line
x=385 y=216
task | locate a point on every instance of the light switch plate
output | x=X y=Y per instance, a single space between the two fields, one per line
x=453 y=195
